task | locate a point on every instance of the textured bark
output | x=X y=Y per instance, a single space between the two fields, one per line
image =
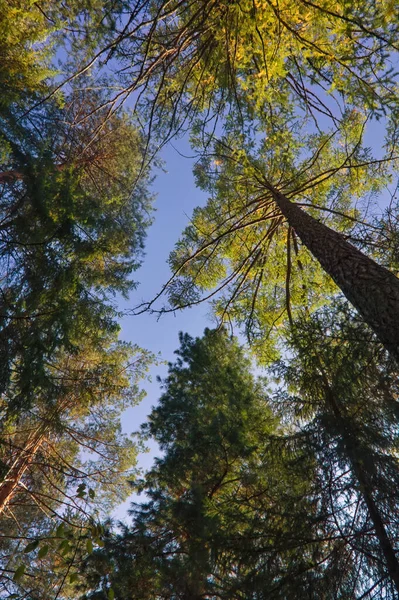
x=372 y=289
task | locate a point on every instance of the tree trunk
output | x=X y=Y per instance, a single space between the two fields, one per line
x=371 y=288
x=365 y=487
x=27 y=454
x=15 y=473
x=375 y=516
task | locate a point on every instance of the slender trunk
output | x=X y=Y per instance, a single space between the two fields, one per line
x=10 y=176
x=365 y=487
x=15 y=473
x=27 y=455
x=372 y=289
x=378 y=523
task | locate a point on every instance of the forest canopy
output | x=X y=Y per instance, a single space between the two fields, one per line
x=280 y=485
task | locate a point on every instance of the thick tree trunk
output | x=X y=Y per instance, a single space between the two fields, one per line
x=372 y=289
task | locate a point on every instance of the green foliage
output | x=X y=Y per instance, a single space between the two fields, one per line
x=211 y=55
x=25 y=56
x=343 y=389
x=240 y=249
x=230 y=509
x=275 y=98
x=69 y=463
x=74 y=207
x=73 y=211
x=244 y=503
x=32 y=33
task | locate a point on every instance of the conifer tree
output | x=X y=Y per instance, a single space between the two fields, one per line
x=278 y=99
x=74 y=207
x=343 y=388
x=231 y=508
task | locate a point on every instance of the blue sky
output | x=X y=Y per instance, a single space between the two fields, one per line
x=176 y=197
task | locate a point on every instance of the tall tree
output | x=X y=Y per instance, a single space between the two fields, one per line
x=90 y=390
x=73 y=210
x=240 y=506
x=344 y=388
x=231 y=510
x=215 y=67
x=252 y=241
x=66 y=462
x=333 y=64
x=249 y=246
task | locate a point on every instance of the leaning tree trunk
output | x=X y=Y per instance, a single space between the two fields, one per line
x=380 y=530
x=371 y=288
x=26 y=455
x=365 y=488
x=21 y=464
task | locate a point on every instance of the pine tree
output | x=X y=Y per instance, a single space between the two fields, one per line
x=285 y=94
x=62 y=464
x=74 y=207
x=71 y=234
x=230 y=510
x=343 y=388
